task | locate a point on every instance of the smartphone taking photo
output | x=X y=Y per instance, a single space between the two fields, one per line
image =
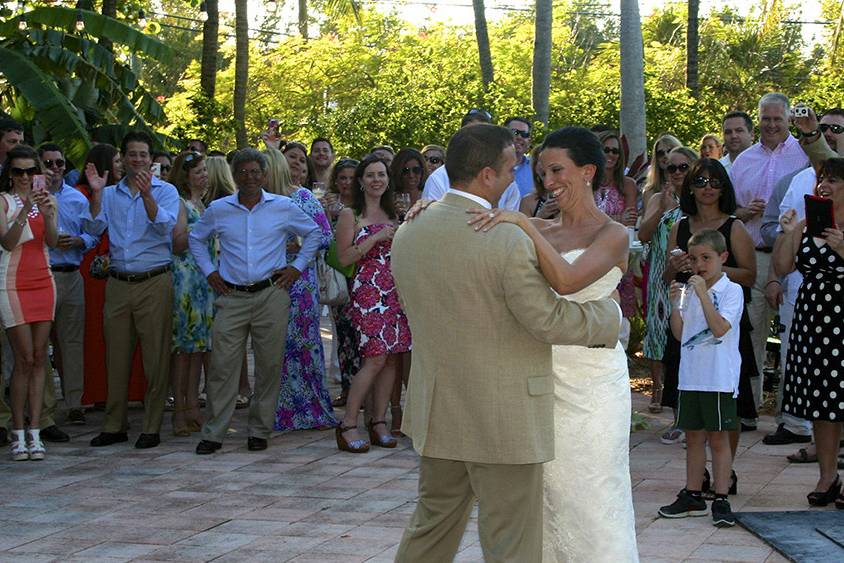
x=819 y=215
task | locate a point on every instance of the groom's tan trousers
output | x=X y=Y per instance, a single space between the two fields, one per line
x=509 y=511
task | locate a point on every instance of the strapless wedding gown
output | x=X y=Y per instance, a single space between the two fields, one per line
x=588 y=504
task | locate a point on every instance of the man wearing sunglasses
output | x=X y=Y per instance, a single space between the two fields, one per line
x=438 y=183
x=754 y=174
x=520 y=127
x=69 y=325
x=782 y=292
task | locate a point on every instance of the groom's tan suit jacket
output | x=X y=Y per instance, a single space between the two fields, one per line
x=483 y=318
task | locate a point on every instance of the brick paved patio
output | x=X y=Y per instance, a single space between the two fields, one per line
x=302 y=500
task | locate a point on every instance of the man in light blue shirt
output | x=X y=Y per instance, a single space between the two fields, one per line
x=521 y=129
x=69 y=326
x=139 y=213
x=252 y=279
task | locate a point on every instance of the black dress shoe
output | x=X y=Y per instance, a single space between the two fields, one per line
x=206 y=447
x=146 y=441
x=4 y=437
x=54 y=434
x=109 y=438
x=783 y=436
x=256 y=444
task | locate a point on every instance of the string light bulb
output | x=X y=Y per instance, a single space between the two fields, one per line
x=203 y=12
x=142 y=19
x=80 y=23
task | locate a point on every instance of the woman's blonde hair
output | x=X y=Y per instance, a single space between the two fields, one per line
x=220 y=179
x=278 y=173
x=656 y=177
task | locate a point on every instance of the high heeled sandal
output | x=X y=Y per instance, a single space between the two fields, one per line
x=376 y=439
x=355 y=446
x=823 y=498
x=395 y=422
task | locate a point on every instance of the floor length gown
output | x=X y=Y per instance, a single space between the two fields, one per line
x=588 y=500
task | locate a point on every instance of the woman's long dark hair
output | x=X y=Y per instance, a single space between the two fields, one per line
x=102 y=157
x=18 y=152
x=401 y=159
x=388 y=200
x=726 y=201
x=309 y=180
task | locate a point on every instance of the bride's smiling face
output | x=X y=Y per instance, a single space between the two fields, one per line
x=564 y=179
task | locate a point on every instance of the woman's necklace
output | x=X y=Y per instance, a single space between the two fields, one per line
x=33 y=211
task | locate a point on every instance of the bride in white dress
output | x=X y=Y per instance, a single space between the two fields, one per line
x=588 y=499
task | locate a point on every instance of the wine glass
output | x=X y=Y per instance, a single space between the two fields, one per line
x=318 y=189
x=402 y=204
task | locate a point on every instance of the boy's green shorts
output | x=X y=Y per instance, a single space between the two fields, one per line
x=707 y=410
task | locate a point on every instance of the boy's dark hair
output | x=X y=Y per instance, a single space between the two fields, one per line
x=711 y=238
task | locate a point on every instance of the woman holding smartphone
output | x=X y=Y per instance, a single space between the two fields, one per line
x=27 y=289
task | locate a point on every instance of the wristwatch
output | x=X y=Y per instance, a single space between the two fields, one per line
x=811 y=133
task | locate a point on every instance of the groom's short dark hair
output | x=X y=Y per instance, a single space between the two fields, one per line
x=474 y=148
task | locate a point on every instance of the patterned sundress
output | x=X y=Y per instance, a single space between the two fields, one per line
x=659 y=305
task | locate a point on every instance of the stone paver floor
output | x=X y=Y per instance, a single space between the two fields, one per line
x=303 y=500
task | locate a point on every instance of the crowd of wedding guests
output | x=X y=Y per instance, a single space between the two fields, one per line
x=185 y=258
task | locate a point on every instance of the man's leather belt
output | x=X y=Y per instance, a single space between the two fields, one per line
x=765 y=249
x=252 y=288
x=64 y=268
x=133 y=277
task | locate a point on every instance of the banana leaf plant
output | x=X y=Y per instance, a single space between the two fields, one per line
x=65 y=85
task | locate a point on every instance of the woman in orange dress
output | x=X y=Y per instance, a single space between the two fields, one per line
x=27 y=289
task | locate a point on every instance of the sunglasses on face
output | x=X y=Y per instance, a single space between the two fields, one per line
x=416 y=170
x=672 y=168
x=519 y=133
x=611 y=150
x=58 y=163
x=166 y=167
x=434 y=159
x=19 y=172
x=702 y=182
x=834 y=127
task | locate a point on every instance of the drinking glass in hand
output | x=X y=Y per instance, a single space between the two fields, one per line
x=402 y=204
x=318 y=189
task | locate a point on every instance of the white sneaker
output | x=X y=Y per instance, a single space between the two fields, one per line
x=672 y=436
x=36 y=448
x=18 y=451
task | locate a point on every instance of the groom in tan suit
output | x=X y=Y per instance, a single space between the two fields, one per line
x=479 y=404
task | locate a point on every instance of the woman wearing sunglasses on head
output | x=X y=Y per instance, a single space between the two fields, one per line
x=708 y=201
x=27 y=289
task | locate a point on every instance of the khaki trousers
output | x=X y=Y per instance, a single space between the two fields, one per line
x=69 y=328
x=262 y=314
x=760 y=314
x=509 y=511
x=133 y=311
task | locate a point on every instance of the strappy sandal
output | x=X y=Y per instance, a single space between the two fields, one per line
x=381 y=441
x=355 y=446
x=802 y=456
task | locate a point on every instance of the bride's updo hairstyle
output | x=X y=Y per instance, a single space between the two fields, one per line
x=583 y=148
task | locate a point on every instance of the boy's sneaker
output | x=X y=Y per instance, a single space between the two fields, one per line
x=672 y=436
x=35 y=447
x=18 y=451
x=722 y=514
x=685 y=505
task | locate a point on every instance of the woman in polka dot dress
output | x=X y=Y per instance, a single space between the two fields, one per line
x=814 y=370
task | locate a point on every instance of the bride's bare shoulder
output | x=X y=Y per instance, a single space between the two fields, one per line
x=614 y=231
x=544 y=225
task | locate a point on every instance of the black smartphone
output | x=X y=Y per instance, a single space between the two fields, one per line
x=819 y=215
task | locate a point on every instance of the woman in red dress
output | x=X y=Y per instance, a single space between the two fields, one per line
x=27 y=289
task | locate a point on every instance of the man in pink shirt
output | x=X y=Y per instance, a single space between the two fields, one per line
x=754 y=174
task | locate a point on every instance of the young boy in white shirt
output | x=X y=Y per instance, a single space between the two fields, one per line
x=708 y=329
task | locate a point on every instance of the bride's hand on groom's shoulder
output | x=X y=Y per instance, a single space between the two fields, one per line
x=485 y=219
x=417 y=208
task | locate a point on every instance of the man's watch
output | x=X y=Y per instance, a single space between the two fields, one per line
x=811 y=133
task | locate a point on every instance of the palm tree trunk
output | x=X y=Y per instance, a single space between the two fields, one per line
x=692 y=41
x=109 y=9
x=632 y=80
x=303 y=18
x=541 y=89
x=210 y=34
x=483 y=43
x=241 y=70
